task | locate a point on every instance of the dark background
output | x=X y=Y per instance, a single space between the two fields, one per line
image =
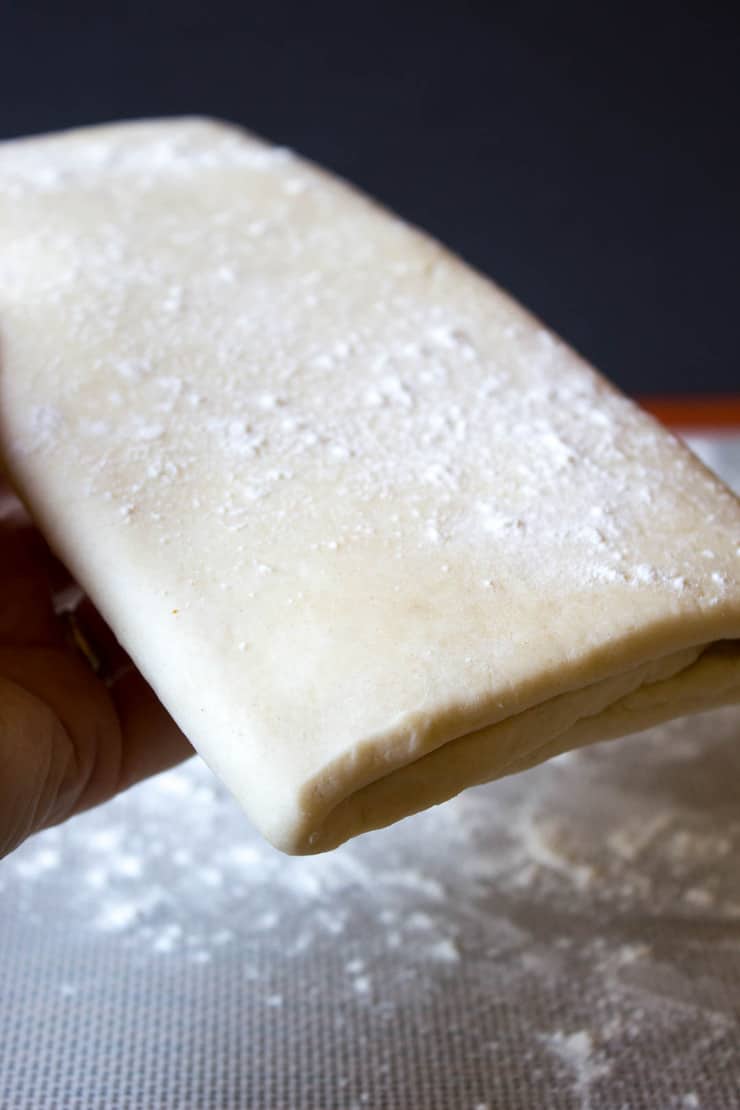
x=587 y=159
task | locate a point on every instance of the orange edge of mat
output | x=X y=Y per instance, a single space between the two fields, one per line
x=713 y=413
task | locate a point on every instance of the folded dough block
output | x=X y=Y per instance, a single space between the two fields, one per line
x=371 y=531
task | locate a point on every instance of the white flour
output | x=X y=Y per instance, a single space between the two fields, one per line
x=576 y=1052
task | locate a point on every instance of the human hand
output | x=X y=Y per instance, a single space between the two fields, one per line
x=68 y=738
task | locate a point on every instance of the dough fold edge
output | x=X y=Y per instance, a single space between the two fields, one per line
x=682 y=683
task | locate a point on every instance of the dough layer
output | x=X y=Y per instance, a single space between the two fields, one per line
x=372 y=532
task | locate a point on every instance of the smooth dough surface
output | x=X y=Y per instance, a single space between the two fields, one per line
x=370 y=530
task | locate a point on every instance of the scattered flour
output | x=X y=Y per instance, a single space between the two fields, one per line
x=576 y=1052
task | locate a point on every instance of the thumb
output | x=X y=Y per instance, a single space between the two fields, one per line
x=60 y=736
x=67 y=742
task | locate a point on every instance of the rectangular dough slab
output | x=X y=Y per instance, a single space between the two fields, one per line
x=372 y=532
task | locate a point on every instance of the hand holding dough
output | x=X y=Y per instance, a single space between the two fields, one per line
x=372 y=533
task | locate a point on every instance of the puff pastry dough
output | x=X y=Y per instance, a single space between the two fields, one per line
x=371 y=531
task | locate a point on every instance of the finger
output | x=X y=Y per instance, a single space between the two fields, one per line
x=152 y=742
x=84 y=711
x=35 y=756
x=67 y=743
x=15 y=527
x=26 y=610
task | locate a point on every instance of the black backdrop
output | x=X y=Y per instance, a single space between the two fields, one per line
x=586 y=158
